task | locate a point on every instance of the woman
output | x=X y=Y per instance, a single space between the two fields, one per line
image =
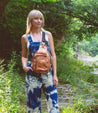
x=46 y=81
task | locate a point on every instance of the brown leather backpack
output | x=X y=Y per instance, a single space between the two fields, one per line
x=41 y=61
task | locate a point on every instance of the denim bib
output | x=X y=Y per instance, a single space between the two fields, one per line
x=34 y=46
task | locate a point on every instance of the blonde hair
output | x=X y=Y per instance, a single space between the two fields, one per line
x=31 y=15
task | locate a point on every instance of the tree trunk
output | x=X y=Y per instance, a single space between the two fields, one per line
x=3 y=4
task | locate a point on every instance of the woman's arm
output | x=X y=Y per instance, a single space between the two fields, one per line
x=24 y=53
x=51 y=43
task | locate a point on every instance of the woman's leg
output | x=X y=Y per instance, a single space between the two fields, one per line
x=33 y=93
x=50 y=93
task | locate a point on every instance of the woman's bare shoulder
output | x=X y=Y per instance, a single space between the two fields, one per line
x=49 y=34
x=24 y=37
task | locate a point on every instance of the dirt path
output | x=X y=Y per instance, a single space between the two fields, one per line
x=89 y=60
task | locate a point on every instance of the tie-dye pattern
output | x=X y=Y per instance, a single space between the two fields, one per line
x=36 y=82
x=34 y=85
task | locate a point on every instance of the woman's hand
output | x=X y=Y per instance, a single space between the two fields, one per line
x=27 y=69
x=55 y=80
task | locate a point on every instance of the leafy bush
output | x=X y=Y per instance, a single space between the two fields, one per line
x=72 y=71
x=90 y=47
x=12 y=95
x=78 y=107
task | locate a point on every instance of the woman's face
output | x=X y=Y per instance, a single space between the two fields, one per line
x=37 y=21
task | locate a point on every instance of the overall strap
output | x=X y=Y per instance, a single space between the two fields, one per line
x=30 y=39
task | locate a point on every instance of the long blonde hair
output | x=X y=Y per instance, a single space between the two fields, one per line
x=31 y=15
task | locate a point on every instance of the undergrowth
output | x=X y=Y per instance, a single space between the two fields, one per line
x=12 y=95
x=72 y=71
x=84 y=82
x=12 y=86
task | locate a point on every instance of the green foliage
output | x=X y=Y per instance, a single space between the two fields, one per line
x=16 y=58
x=70 y=70
x=12 y=95
x=66 y=47
x=95 y=64
x=78 y=107
x=62 y=49
x=36 y=1
x=73 y=71
x=64 y=18
x=71 y=19
x=86 y=11
x=13 y=23
x=90 y=47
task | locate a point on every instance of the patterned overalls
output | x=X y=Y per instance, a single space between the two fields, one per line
x=36 y=82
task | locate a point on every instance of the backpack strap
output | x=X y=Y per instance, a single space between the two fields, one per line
x=43 y=37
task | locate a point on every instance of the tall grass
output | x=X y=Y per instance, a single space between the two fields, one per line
x=12 y=95
x=78 y=107
x=72 y=71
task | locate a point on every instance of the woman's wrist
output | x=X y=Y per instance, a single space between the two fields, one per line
x=54 y=75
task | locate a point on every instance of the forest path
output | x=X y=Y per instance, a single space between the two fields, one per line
x=89 y=60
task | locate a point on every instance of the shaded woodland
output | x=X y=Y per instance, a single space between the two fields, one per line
x=74 y=25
